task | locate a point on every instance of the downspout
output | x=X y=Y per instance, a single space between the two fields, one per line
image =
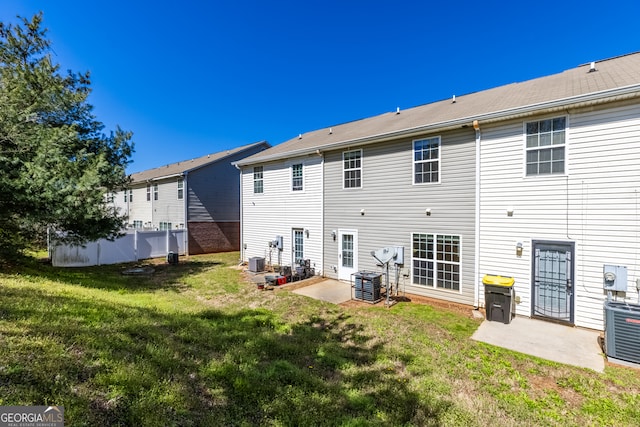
x=242 y=250
x=319 y=153
x=476 y=267
x=185 y=195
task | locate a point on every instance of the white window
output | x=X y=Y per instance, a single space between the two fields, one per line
x=180 y=188
x=436 y=261
x=258 y=179
x=545 y=140
x=148 y=192
x=426 y=160
x=296 y=177
x=137 y=224
x=130 y=195
x=155 y=191
x=298 y=246
x=165 y=226
x=352 y=167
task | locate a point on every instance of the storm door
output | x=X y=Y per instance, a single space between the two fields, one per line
x=552 y=281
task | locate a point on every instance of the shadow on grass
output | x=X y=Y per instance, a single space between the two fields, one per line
x=163 y=276
x=111 y=364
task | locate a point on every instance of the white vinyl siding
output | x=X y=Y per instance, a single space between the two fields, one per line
x=595 y=205
x=279 y=210
x=167 y=208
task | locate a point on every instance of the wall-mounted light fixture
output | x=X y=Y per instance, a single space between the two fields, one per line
x=306 y=232
x=427 y=212
x=361 y=211
x=509 y=210
x=519 y=248
x=334 y=234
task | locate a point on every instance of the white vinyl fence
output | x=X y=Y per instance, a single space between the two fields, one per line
x=133 y=246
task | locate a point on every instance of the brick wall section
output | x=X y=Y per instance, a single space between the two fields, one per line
x=211 y=237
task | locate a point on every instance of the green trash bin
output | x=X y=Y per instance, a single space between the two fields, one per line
x=498 y=297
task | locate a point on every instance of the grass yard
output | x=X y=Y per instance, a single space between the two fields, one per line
x=196 y=345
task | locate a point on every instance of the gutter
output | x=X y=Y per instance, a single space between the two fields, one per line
x=185 y=199
x=541 y=107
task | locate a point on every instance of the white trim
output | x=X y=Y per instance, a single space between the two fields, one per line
x=291 y=165
x=435 y=287
x=346 y=272
x=361 y=168
x=413 y=160
x=538 y=148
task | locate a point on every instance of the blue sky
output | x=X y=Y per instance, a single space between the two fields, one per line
x=191 y=78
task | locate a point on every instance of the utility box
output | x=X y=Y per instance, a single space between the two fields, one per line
x=615 y=278
x=498 y=297
x=256 y=264
x=172 y=258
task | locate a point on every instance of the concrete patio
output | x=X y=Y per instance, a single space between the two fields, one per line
x=551 y=341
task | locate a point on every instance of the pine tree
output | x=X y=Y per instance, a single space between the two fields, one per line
x=56 y=164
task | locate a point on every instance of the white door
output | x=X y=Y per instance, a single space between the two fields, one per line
x=297 y=248
x=347 y=253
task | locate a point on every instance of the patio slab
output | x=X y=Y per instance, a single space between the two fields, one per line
x=551 y=341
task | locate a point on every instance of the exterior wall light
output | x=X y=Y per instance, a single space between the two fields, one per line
x=519 y=248
x=427 y=211
x=510 y=211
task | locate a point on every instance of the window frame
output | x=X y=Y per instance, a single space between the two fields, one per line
x=155 y=191
x=130 y=195
x=164 y=226
x=258 y=180
x=180 y=188
x=442 y=270
x=549 y=147
x=293 y=187
x=437 y=160
x=148 y=192
x=346 y=170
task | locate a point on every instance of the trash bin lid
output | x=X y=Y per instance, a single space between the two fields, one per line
x=496 y=280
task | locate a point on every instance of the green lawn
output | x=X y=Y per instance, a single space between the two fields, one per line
x=194 y=344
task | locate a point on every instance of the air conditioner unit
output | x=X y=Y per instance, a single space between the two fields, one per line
x=622 y=331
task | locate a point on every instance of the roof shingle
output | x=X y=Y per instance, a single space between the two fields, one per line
x=611 y=74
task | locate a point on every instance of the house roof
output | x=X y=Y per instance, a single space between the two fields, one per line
x=612 y=79
x=179 y=168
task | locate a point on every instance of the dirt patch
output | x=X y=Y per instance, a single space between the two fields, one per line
x=461 y=309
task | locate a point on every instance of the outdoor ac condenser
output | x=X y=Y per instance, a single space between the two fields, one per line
x=622 y=331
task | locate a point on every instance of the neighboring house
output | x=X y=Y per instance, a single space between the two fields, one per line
x=536 y=180
x=201 y=194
